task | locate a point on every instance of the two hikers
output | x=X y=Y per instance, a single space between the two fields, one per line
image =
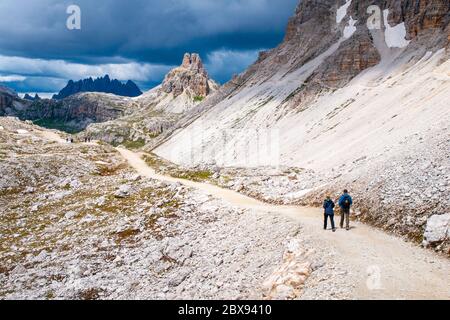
x=345 y=203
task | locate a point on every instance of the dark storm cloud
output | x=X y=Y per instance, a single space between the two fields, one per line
x=141 y=31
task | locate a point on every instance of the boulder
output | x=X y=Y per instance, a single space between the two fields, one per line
x=437 y=229
x=123 y=192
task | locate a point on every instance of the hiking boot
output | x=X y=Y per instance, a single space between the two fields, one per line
x=348 y=228
x=334 y=230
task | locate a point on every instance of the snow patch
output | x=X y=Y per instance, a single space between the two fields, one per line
x=350 y=29
x=21 y=131
x=342 y=11
x=395 y=36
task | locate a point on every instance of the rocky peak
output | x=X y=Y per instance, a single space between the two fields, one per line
x=31 y=98
x=190 y=78
x=193 y=62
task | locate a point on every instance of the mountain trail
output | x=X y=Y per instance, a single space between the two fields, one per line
x=382 y=266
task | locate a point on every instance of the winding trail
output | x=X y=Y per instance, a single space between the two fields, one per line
x=404 y=271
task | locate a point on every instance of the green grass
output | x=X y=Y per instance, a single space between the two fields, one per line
x=155 y=162
x=199 y=98
x=56 y=124
x=198 y=176
x=134 y=144
x=154 y=135
x=168 y=168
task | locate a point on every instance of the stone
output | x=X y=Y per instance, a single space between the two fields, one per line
x=41 y=257
x=437 y=229
x=70 y=215
x=100 y=201
x=123 y=192
x=29 y=190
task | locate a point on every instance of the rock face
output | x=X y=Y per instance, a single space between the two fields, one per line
x=420 y=15
x=191 y=77
x=104 y=84
x=10 y=102
x=76 y=112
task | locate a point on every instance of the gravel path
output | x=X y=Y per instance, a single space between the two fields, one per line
x=377 y=265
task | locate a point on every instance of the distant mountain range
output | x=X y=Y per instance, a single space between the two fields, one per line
x=104 y=84
x=30 y=98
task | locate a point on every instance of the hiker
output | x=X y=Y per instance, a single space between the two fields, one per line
x=328 y=206
x=345 y=202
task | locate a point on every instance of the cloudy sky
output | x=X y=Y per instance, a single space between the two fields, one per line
x=138 y=40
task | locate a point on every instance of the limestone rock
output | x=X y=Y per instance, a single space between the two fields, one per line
x=286 y=282
x=190 y=77
x=437 y=229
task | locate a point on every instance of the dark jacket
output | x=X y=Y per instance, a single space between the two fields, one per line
x=345 y=198
x=329 y=205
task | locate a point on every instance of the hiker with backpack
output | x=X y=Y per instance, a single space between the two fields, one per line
x=328 y=206
x=345 y=202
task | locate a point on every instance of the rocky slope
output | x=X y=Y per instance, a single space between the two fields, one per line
x=157 y=111
x=103 y=84
x=78 y=223
x=350 y=98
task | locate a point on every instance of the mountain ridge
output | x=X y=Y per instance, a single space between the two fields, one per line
x=101 y=84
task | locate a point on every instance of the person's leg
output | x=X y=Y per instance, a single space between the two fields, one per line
x=325 y=223
x=332 y=222
x=342 y=218
x=347 y=218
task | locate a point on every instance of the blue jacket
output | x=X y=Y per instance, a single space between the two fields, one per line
x=329 y=205
x=342 y=200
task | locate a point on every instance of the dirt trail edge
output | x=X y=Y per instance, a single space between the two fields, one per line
x=384 y=266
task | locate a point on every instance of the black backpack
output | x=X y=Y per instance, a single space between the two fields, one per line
x=347 y=203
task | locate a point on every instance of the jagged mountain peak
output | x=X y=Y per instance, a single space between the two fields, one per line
x=31 y=98
x=102 y=84
x=190 y=77
x=193 y=62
